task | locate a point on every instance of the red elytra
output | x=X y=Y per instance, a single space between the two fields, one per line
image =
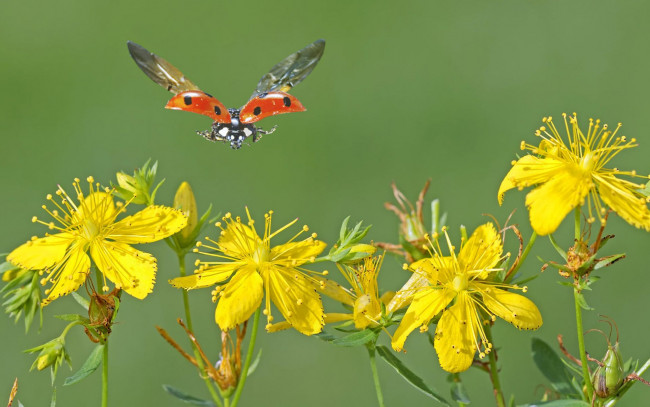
x=200 y=102
x=269 y=104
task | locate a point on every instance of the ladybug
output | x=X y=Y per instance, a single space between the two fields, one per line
x=234 y=126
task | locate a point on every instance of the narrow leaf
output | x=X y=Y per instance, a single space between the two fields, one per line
x=559 y=403
x=324 y=336
x=551 y=366
x=186 y=397
x=81 y=300
x=583 y=303
x=90 y=365
x=459 y=393
x=407 y=374
x=356 y=338
x=254 y=364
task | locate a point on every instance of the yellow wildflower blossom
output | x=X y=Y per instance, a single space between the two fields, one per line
x=466 y=281
x=569 y=174
x=255 y=269
x=90 y=226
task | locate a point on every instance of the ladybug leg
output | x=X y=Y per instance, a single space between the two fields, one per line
x=261 y=132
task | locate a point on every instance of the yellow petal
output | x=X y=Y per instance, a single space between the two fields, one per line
x=482 y=250
x=548 y=204
x=129 y=269
x=366 y=311
x=207 y=277
x=297 y=253
x=41 y=253
x=627 y=203
x=529 y=170
x=454 y=336
x=425 y=305
x=240 y=298
x=334 y=290
x=97 y=208
x=422 y=275
x=329 y=319
x=295 y=298
x=149 y=225
x=69 y=274
x=514 y=308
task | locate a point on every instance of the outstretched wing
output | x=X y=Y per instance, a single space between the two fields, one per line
x=269 y=104
x=292 y=70
x=159 y=70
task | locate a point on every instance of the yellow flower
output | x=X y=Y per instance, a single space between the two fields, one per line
x=569 y=174
x=254 y=269
x=466 y=280
x=91 y=226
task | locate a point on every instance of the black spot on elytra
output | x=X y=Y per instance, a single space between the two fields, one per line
x=287 y=101
x=257 y=111
x=187 y=100
x=217 y=111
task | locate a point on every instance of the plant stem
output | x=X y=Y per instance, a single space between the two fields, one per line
x=581 y=338
x=581 y=346
x=375 y=375
x=249 y=358
x=105 y=376
x=494 y=370
x=188 y=320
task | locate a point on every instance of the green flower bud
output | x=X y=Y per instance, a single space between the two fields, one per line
x=51 y=353
x=185 y=201
x=139 y=187
x=608 y=378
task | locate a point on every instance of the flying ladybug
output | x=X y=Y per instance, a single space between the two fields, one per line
x=234 y=126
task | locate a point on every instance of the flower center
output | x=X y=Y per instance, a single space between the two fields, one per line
x=89 y=230
x=588 y=162
x=261 y=254
x=460 y=282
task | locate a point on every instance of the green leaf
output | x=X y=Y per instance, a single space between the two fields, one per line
x=551 y=366
x=407 y=374
x=559 y=403
x=608 y=261
x=73 y=317
x=356 y=338
x=557 y=247
x=90 y=365
x=81 y=300
x=186 y=397
x=459 y=393
x=582 y=302
x=254 y=364
x=324 y=336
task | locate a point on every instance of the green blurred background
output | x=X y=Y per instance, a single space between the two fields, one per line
x=405 y=91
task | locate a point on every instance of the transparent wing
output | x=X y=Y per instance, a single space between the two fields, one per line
x=159 y=70
x=292 y=70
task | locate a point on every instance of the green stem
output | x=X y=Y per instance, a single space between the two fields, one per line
x=581 y=345
x=494 y=370
x=249 y=358
x=576 y=233
x=188 y=320
x=375 y=375
x=581 y=338
x=105 y=376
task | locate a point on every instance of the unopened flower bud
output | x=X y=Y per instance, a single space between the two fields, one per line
x=608 y=378
x=185 y=201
